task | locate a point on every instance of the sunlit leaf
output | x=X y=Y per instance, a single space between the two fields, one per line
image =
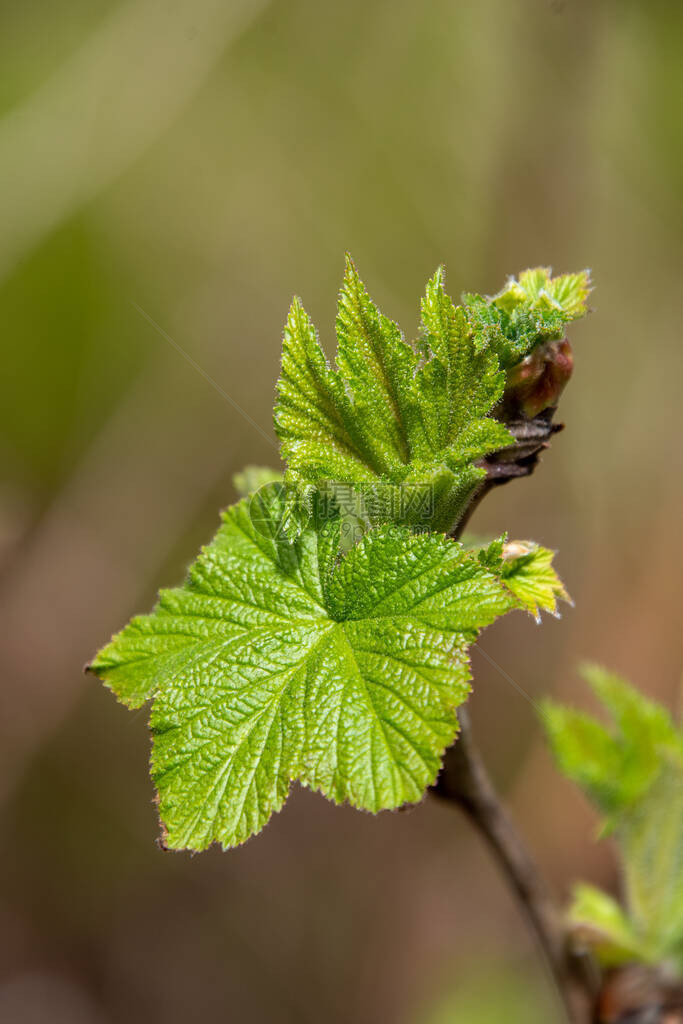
x=279 y=661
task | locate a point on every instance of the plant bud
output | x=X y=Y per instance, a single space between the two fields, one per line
x=537 y=382
x=638 y=994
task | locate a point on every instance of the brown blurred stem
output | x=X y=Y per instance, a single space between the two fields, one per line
x=463 y=780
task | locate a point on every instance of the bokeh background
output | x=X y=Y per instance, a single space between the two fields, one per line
x=170 y=174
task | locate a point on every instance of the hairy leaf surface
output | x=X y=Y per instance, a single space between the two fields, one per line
x=279 y=661
x=403 y=427
x=533 y=308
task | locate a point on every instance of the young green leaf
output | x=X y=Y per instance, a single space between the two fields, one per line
x=599 y=922
x=633 y=772
x=253 y=478
x=617 y=766
x=404 y=428
x=528 y=571
x=279 y=661
x=529 y=310
x=567 y=293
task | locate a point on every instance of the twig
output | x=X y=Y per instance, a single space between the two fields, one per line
x=465 y=782
x=532 y=438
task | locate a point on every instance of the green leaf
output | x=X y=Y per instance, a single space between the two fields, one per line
x=528 y=571
x=586 y=753
x=650 y=838
x=615 y=766
x=633 y=772
x=404 y=428
x=567 y=293
x=528 y=311
x=253 y=478
x=601 y=924
x=279 y=661
x=646 y=727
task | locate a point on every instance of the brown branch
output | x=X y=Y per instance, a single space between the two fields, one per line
x=464 y=782
x=532 y=438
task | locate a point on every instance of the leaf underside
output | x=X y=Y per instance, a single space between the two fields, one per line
x=279 y=661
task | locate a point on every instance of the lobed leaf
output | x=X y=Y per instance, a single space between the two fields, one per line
x=279 y=661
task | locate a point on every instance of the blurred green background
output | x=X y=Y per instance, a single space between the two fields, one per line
x=170 y=173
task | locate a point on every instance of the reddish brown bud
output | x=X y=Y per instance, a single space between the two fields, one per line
x=537 y=382
x=637 y=993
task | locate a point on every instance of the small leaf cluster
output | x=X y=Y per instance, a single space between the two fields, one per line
x=529 y=310
x=632 y=771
